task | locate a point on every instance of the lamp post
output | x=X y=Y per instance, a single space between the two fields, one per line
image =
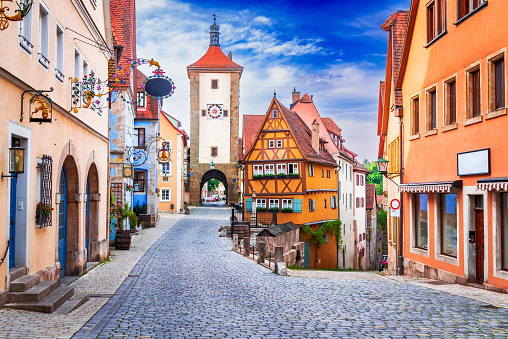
x=16 y=162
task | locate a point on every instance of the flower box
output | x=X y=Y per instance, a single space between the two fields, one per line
x=287 y=210
x=281 y=175
x=293 y=175
x=274 y=209
x=269 y=176
x=258 y=176
x=261 y=209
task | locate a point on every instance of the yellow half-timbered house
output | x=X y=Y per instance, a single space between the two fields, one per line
x=287 y=167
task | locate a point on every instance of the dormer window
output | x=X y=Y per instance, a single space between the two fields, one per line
x=141 y=99
x=275 y=114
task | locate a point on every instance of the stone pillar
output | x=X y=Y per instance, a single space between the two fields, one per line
x=246 y=246
x=261 y=252
x=235 y=242
x=280 y=265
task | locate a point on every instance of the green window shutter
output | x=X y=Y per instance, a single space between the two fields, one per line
x=297 y=205
x=248 y=204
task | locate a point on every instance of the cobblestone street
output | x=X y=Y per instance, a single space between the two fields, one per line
x=189 y=285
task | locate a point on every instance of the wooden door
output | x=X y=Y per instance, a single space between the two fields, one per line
x=12 y=235
x=306 y=255
x=480 y=246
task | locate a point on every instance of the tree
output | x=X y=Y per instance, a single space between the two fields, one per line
x=374 y=177
x=213 y=184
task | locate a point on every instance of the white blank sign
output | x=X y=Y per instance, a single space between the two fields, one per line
x=474 y=162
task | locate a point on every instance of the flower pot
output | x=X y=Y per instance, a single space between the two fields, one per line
x=123 y=239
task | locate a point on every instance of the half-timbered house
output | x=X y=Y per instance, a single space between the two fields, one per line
x=288 y=171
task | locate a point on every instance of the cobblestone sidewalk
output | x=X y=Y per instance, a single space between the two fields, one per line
x=104 y=279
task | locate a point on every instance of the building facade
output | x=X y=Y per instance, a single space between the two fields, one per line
x=454 y=94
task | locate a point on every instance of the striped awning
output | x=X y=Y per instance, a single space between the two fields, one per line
x=492 y=184
x=430 y=187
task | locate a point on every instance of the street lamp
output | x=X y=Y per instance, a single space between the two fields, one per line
x=382 y=166
x=16 y=162
x=212 y=165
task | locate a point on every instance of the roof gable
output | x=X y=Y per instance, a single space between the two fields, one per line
x=214 y=59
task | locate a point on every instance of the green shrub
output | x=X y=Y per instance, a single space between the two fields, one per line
x=258 y=176
x=287 y=209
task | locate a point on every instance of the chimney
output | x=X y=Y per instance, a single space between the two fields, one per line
x=315 y=136
x=296 y=95
x=230 y=55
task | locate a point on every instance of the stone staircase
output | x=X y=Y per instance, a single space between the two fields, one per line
x=28 y=292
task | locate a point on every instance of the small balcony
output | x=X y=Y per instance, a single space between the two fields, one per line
x=27 y=45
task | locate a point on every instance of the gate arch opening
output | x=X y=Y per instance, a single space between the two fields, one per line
x=214 y=174
x=92 y=214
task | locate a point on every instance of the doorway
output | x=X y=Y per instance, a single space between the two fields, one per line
x=12 y=229
x=480 y=241
x=62 y=223
x=87 y=219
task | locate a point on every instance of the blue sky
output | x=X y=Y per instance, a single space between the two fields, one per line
x=333 y=50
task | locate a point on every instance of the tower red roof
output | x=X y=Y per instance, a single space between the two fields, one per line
x=215 y=59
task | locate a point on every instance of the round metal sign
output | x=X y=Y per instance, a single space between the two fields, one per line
x=395 y=204
x=159 y=87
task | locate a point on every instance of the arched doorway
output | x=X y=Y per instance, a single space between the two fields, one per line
x=62 y=223
x=214 y=174
x=92 y=214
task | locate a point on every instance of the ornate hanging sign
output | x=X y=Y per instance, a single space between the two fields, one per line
x=159 y=86
x=21 y=12
x=40 y=106
x=138 y=156
x=89 y=93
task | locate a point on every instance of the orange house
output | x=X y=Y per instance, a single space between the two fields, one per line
x=453 y=79
x=289 y=170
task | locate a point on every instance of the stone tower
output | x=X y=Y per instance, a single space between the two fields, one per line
x=214 y=118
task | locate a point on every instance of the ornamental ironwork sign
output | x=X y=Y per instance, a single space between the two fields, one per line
x=138 y=156
x=40 y=106
x=89 y=93
x=21 y=12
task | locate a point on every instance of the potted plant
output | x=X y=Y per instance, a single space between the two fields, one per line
x=129 y=188
x=134 y=222
x=123 y=236
x=293 y=175
x=261 y=209
x=281 y=175
x=158 y=192
x=258 y=176
x=42 y=212
x=287 y=210
x=269 y=176
x=274 y=209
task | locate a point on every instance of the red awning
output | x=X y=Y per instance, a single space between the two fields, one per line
x=492 y=186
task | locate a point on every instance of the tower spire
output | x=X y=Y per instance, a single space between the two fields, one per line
x=214 y=33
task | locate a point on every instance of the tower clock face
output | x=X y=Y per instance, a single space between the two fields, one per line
x=214 y=111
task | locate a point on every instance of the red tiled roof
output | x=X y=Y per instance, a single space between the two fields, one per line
x=331 y=126
x=349 y=153
x=360 y=167
x=214 y=58
x=370 y=196
x=123 y=24
x=306 y=98
x=251 y=126
x=150 y=111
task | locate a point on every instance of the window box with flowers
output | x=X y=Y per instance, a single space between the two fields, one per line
x=158 y=192
x=287 y=210
x=258 y=176
x=281 y=175
x=42 y=213
x=269 y=176
x=261 y=209
x=129 y=188
x=274 y=209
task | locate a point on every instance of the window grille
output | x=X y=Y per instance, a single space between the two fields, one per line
x=46 y=192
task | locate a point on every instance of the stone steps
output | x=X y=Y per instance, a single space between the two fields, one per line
x=25 y=283
x=48 y=304
x=17 y=272
x=34 y=294
x=74 y=302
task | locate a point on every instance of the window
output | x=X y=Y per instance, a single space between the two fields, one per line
x=86 y=68
x=357 y=180
x=203 y=112
x=281 y=169
x=325 y=203
x=431 y=110
x=261 y=203
x=166 y=169
x=25 y=30
x=279 y=143
x=333 y=202
x=312 y=205
x=225 y=112
x=450 y=102
x=415 y=116
x=214 y=151
x=357 y=202
x=275 y=114
x=139 y=181
x=504 y=231
x=293 y=168
x=351 y=173
x=497 y=84
x=59 y=53
x=141 y=137
x=215 y=84
x=449 y=224
x=77 y=63
x=421 y=234
x=311 y=170
x=287 y=203
x=473 y=93
x=328 y=173
x=43 y=36
x=165 y=194
x=394 y=156
x=436 y=19
x=271 y=143
x=141 y=99
x=468 y=6
x=257 y=169
x=274 y=203
x=350 y=200
x=322 y=173
x=269 y=170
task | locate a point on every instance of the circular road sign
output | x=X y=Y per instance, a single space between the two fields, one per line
x=395 y=204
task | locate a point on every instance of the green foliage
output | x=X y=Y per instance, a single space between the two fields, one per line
x=381 y=219
x=269 y=176
x=140 y=209
x=281 y=175
x=258 y=176
x=112 y=199
x=293 y=175
x=213 y=184
x=375 y=178
x=317 y=237
x=287 y=209
x=274 y=209
x=261 y=209
x=122 y=213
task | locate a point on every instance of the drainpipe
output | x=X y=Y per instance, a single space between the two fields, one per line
x=401 y=180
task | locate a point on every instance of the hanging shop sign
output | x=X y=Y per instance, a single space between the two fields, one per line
x=40 y=106
x=138 y=156
x=128 y=172
x=20 y=13
x=159 y=86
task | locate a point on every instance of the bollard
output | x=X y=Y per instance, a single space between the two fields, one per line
x=280 y=265
x=246 y=246
x=261 y=252
x=235 y=242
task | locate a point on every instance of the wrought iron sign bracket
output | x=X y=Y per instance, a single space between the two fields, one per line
x=37 y=92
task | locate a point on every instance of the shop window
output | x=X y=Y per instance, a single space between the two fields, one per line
x=420 y=218
x=450 y=102
x=449 y=224
x=504 y=231
x=139 y=181
x=165 y=194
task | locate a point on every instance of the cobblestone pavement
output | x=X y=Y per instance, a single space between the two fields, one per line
x=103 y=279
x=189 y=285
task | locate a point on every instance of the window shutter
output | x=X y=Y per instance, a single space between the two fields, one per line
x=313 y=205
x=297 y=205
x=248 y=204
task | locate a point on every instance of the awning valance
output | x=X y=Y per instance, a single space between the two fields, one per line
x=492 y=184
x=430 y=187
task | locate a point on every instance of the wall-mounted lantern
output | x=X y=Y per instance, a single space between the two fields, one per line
x=16 y=162
x=382 y=166
x=212 y=165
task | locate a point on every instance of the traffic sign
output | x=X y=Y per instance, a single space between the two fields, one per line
x=395 y=204
x=395 y=213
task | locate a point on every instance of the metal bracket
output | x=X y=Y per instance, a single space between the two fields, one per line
x=32 y=91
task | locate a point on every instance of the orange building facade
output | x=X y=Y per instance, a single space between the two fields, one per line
x=288 y=168
x=455 y=190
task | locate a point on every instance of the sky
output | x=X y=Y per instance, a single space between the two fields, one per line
x=333 y=50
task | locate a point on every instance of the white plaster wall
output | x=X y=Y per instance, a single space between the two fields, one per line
x=179 y=172
x=359 y=211
x=346 y=213
x=214 y=132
